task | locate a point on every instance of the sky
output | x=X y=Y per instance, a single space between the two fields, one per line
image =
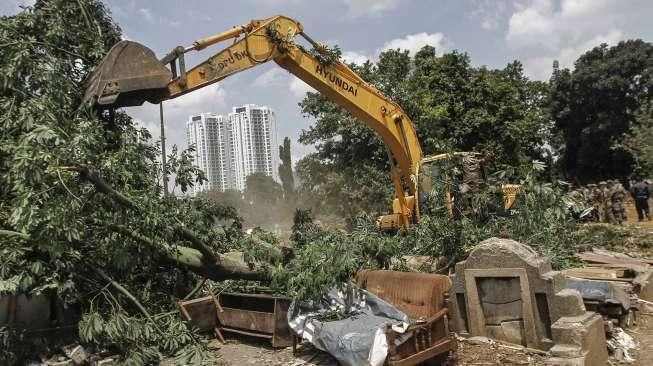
x=492 y=32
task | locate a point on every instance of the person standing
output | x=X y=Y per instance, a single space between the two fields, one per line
x=606 y=202
x=641 y=192
x=597 y=201
x=618 y=206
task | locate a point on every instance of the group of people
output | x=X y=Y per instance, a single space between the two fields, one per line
x=608 y=200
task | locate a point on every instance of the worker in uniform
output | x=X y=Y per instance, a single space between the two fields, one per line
x=472 y=180
x=608 y=190
x=597 y=201
x=586 y=196
x=618 y=198
x=641 y=192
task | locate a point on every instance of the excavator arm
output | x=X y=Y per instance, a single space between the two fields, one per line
x=130 y=75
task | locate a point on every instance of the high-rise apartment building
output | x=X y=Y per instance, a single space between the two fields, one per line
x=205 y=131
x=229 y=149
x=251 y=144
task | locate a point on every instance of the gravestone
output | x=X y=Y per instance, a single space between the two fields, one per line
x=504 y=290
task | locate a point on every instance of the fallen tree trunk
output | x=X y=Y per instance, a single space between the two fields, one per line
x=226 y=266
x=200 y=259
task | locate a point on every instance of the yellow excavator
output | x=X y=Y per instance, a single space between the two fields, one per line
x=130 y=74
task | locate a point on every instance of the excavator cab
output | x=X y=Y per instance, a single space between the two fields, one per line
x=437 y=175
x=440 y=176
x=129 y=75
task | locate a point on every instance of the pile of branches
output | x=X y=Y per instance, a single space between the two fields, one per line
x=83 y=220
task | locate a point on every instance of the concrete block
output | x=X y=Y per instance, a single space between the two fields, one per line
x=585 y=332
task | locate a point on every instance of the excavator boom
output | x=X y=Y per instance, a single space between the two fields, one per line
x=130 y=75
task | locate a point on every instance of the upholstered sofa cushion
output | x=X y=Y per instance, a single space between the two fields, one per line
x=418 y=295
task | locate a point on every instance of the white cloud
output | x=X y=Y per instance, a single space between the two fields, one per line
x=207 y=99
x=274 y=76
x=490 y=13
x=147 y=14
x=547 y=30
x=415 y=42
x=359 y=58
x=12 y=7
x=176 y=112
x=540 y=68
x=359 y=8
x=158 y=19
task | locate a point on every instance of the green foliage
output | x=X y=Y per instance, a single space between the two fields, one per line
x=56 y=225
x=327 y=257
x=285 y=169
x=637 y=142
x=14 y=346
x=327 y=261
x=142 y=341
x=596 y=106
x=327 y=56
x=262 y=189
x=304 y=230
x=454 y=106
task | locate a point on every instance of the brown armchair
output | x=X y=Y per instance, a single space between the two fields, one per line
x=423 y=297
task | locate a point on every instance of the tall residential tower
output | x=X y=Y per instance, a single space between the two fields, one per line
x=205 y=131
x=229 y=149
x=251 y=144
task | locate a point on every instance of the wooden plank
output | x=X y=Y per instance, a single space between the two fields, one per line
x=244 y=332
x=193 y=301
x=609 y=259
x=419 y=357
x=200 y=314
x=260 y=296
x=283 y=335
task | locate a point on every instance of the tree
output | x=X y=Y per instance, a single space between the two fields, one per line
x=81 y=207
x=261 y=189
x=637 y=142
x=285 y=169
x=596 y=105
x=458 y=107
x=454 y=106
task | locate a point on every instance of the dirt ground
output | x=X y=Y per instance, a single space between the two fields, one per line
x=246 y=351
x=632 y=217
x=642 y=333
x=251 y=352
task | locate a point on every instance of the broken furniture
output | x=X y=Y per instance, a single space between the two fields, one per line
x=255 y=315
x=504 y=290
x=423 y=297
x=201 y=313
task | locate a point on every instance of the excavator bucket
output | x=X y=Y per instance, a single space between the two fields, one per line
x=129 y=75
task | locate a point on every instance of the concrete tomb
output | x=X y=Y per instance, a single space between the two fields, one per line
x=504 y=290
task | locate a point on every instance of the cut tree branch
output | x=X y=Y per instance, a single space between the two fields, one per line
x=227 y=266
x=90 y=175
